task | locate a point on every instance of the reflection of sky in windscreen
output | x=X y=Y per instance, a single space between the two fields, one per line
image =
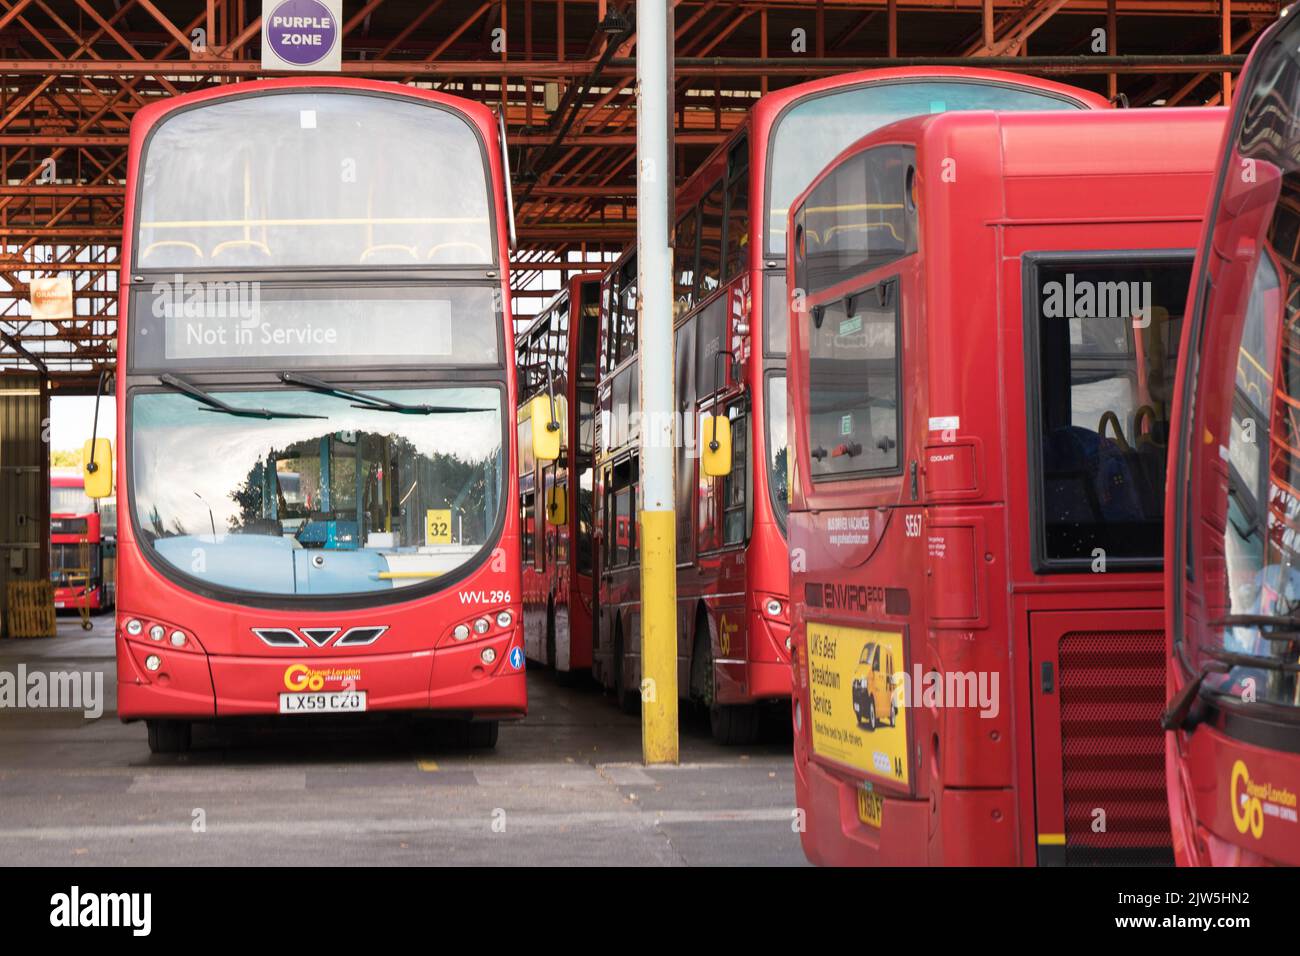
x=180 y=449
x=814 y=132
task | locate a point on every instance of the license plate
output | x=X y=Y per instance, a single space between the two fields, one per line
x=59 y=605
x=324 y=702
x=871 y=808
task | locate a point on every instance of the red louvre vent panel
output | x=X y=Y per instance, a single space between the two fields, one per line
x=1112 y=748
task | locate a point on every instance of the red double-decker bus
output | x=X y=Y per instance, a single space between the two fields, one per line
x=82 y=546
x=556 y=358
x=315 y=392
x=982 y=362
x=1233 y=574
x=730 y=341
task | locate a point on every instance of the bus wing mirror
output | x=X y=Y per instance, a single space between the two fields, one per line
x=97 y=467
x=557 y=512
x=546 y=430
x=715 y=458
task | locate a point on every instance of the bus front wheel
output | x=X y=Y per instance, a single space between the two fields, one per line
x=481 y=735
x=734 y=725
x=168 y=736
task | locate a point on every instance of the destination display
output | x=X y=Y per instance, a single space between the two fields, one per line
x=221 y=323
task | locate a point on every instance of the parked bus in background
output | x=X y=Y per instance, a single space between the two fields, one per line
x=556 y=356
x=1233 y=577
x=83 y=545
x=730 y=340
x=982 y=362
x=315 y=393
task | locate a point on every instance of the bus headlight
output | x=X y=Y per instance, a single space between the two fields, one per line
x=488 y=656
x=482 y=625
x=178 y=638
x=157 y=631
x=152 y=662
x=504 y=619
x=134 y=627
x=773 y=607
x=798 y=716
x=461 y=633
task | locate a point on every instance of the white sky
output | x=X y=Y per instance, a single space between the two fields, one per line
x=71 y=417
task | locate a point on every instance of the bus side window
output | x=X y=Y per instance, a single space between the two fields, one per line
x=1103 y=397
x=736 y=485
x=737 y=209
x=608 y=322
x=526 y=527
x=710 y=271
x=626 y=311
x=537 y=516
x=585 y=495
x=684 y=255
x=588 y=319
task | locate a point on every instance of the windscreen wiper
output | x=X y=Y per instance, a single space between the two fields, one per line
x=217 y=405
x=1281 y=627
x=372 y=402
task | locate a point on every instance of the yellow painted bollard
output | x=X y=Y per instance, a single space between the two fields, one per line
x=658 y=637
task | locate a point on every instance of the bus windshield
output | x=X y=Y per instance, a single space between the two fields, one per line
x=325 y=178
x=352 y=499
x=815 y=130
x=70 y=501
x=1240 y=595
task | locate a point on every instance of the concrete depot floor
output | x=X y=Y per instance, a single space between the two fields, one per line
x=563 y=787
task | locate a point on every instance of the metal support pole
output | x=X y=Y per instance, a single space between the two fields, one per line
x=658 y=529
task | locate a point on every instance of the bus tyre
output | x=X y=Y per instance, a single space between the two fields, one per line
x=550 y=637
x=482 y=734
x=168 y=736
x=629 y=702
x=474 y=735
x=734 y=725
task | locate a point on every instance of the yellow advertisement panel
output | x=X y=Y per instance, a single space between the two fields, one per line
x=437 y=526
x=855 y=686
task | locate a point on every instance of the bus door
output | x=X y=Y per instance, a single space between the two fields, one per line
x=689 y=589
x=1099 y=390
x=723 y=505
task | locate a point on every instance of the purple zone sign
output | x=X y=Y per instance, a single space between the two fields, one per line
x=301 y=32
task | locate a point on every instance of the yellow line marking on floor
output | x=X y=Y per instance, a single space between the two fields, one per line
x=428 y=766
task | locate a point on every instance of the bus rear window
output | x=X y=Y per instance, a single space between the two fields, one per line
x=1104 y=332
x=854 y=417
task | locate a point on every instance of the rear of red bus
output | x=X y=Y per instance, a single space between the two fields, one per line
x=557 y=357
x=731 y=344
x=1233 y=584
x=314 y=397
x=76 y=546
x=793 y=133
x=981 y=368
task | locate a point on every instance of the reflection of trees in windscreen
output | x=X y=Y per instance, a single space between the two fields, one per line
x=382 y=481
